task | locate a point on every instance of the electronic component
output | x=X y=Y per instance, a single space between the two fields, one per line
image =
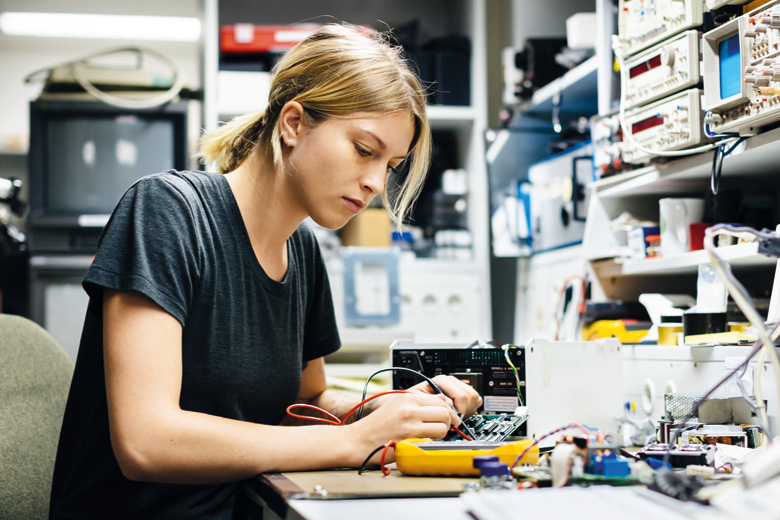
x=485 y=367
x=426 y=457
x=559 y=198
x=491 y=427
x=537 y=65
x=716 y=434
x=669 y=67
x=642 y=24
x=680 y=456
x=742 y=72
x=606 y=138
x=673 y=123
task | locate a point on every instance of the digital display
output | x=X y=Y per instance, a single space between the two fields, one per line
x=640 y=69
x=645 y=124
x=730 y=67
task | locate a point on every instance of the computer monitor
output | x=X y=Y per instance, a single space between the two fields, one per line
x=83 y=156
x=725 y=56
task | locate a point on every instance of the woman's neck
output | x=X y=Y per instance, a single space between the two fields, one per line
x=268 y=212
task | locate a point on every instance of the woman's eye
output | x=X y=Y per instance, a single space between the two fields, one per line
x=362 y=151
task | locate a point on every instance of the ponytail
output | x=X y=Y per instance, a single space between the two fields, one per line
x=232 y=143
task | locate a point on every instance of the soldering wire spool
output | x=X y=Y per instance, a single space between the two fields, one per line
x=695 y=323
x=669 y=330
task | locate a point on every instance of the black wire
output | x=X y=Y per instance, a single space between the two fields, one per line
x=423 y=376
x=715 y=174
x=365 y=462
x=739 y=141
x=717 y=163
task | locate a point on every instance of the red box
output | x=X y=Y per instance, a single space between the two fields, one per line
x=246 y=37
x=696 y=232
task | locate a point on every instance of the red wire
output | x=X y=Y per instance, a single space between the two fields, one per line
x=339 y=422
x=335 y=420
x=461 y=433
x=385 y=469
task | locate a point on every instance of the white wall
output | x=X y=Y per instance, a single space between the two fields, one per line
x=537 y=19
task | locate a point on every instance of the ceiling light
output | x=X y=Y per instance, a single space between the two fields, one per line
x=105 y=26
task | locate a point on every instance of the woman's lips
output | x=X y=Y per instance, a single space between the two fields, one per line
x=353 y=205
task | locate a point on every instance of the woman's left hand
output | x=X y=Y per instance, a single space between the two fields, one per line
x=462 y=395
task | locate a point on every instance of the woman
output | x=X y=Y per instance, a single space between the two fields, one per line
x=210 y=308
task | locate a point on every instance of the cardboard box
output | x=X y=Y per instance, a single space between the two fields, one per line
x=371 y=227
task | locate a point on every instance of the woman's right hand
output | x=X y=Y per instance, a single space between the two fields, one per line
x=404 y=416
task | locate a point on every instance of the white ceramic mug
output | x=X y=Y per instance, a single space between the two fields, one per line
x=676 y=216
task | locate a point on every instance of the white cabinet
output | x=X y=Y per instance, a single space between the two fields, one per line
x=229 y=93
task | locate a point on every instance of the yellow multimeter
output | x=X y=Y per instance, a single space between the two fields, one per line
x=455 y=458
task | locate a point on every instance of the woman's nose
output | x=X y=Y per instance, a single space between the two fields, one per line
x=374 y=179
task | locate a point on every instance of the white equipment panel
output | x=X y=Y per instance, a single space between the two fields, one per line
x=642 y=23
x=440 y=301
x=669 y=67
x=573 y=382
x=673 y=123
x=650 y=371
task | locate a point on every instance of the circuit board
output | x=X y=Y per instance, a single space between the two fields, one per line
x=491 y=427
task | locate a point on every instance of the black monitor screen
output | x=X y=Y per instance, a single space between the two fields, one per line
x=92 y=161
x=85 y=155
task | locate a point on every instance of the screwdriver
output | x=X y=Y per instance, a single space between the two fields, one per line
x=463 y=424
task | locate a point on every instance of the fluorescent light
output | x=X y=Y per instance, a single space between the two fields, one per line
x=105 y=26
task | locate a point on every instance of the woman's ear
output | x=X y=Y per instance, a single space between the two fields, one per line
x=291 y=122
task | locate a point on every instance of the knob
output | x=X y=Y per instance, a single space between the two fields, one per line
x=667 y=56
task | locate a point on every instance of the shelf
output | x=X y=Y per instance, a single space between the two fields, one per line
x=756 y=156
x=578 y=88
x=740 y=255
x=13 y=152
x=13 y=144
x=450 y=114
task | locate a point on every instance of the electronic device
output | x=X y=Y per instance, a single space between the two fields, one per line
x=559 y=198
x=711 y=434
x=443 y=458
x=490 y=427
x=664 y=69
x=680 y=456
x=606 y=137
x=551 y=371
x=484 y=367
x=672 y=123
x=537 y=65
x=742 y=74
x=84 y=155
x=642 y=24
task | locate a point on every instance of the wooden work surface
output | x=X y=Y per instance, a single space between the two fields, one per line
x=348 y=484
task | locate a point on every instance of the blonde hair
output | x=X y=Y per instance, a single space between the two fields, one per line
x=336 y=72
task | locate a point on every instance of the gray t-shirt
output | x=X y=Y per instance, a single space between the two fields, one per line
x=178 y=238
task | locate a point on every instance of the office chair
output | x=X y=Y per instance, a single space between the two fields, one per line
x=35 y=375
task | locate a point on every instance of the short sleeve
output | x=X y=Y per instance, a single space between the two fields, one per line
x=150 y=245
